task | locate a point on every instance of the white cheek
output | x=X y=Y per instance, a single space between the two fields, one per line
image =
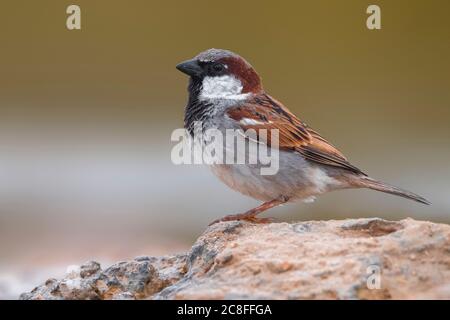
x=223 y=87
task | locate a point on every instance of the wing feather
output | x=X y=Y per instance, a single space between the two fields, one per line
x=264 y=112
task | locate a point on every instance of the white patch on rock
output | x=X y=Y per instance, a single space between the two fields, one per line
x=73 y=271
x=71 y=284
x=223 y=87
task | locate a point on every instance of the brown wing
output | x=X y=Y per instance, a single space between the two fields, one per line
x=264 y=112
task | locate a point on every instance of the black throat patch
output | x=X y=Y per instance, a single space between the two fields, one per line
x=196 y=110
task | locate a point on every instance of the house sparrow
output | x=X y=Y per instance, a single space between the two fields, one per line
x=225 y=92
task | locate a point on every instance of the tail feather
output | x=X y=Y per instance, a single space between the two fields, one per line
x=383 y=187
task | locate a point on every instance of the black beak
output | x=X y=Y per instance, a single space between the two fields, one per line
x=190 y=67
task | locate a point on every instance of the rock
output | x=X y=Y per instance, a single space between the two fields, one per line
x=349 y=259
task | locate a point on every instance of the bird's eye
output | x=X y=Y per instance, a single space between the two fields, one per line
x=218 y=67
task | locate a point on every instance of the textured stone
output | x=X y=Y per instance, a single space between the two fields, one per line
x=307 y=260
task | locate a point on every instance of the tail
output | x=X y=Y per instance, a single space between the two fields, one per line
x=373 y=184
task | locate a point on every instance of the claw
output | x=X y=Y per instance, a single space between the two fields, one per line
x=249 y=218
x=259 y=220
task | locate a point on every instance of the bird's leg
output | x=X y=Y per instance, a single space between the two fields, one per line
x=251 y=214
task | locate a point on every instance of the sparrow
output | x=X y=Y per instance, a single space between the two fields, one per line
x=225 y=92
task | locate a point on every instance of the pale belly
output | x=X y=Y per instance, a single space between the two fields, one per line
x=296 y=179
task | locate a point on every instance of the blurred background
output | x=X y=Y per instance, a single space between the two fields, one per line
x=86 y=118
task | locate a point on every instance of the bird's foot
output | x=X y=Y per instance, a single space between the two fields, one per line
x=251 y=214
x=250 y=217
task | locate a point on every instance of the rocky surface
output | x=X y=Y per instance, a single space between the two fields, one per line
x=349 y=259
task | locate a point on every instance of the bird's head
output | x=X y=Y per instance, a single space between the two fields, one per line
x=222 y=74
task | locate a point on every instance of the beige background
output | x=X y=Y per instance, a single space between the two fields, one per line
x=86 y=118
